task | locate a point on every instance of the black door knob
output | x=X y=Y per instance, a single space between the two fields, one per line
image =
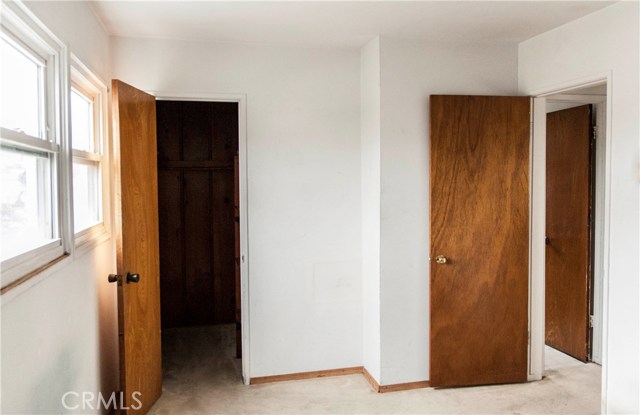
x=133 y=277
x=115 y=278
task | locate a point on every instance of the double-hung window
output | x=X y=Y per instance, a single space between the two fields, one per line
x=87 y=104
x=31 y=149
x=53 y=167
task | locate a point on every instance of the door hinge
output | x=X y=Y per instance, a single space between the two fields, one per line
x=595 y=133
x=591 y=321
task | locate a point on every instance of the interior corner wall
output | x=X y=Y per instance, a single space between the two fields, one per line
x=603 y=42
x=370 y=143
x=304 y=225
x=59 y=332
x=410 y=72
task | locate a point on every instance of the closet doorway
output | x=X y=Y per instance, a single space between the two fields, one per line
x=199 y=214
x=575 y=203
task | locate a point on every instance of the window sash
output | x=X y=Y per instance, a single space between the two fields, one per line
x=94 y=194
x=84 y=82
x=43 y=78
x=19 y=28
x=94 y=131
x=46 y=194
x=20 y=139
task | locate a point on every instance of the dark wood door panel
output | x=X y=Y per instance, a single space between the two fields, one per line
x=568 y=231
x=198 y=248
x=172 y=292
x=169 y=131
x=225 y=126
x=479 y=196
x=197 y=273
x=223 y=244
x=197 y=130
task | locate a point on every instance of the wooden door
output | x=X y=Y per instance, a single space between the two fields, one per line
x=568 y=258
x=134 y=126
x=479 y=195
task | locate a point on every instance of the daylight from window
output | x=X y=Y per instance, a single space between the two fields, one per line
x=26 y=211
x=86 y=167
x=26 y=221
x=22 y=92
x=86 y=195
x=81 y=121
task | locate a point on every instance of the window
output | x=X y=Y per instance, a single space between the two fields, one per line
x=87 y=102
x=27 y=170
x=53 y=167
x=87 y=153
x=23 y=87
x=31 y=147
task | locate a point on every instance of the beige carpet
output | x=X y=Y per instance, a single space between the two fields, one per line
x=201 y=376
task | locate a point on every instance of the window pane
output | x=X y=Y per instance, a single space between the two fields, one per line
x=81 y=122
x=21 y=98
x=86 y=194
x=26 y=201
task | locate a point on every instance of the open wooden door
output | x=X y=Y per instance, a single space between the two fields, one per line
x=134 y=126
x=568 y=229
x=479 y=195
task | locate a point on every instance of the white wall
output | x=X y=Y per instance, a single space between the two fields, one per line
x=370 y=147
x=303 y=133
x=76 y=25
x=410 y=72
x=600 y=43
x=59 y=330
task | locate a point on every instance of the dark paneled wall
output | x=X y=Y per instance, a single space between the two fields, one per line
x=197 y=142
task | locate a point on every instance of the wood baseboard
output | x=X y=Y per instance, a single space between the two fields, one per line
x=392 y=388
x=404 y=386
x=306 y=375
x=374 y=384
x=339 y=372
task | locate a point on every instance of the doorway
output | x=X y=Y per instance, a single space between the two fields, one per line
x=575 y=221
x=199 y=215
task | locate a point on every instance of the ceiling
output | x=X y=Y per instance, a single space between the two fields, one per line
x=338 y=23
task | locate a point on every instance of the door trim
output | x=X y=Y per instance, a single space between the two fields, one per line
x=241 y=99
x=538 y=174
x=537 y=231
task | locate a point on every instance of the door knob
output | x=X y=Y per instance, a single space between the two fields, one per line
x=133 y=277
x=441 y=259
x=129 y=278
x=115 y=278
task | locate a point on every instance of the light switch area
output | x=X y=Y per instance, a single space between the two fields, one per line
x=336 y=281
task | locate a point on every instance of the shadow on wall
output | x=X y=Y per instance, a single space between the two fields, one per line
x=107 y=335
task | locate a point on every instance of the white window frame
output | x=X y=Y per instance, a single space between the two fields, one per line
x=20 y=26
x=91 y=86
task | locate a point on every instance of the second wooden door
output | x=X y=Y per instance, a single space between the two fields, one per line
x=568 y=259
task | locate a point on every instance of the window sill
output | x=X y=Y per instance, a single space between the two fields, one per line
x=87 y=239
x=19 y=266
x=20 y=285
